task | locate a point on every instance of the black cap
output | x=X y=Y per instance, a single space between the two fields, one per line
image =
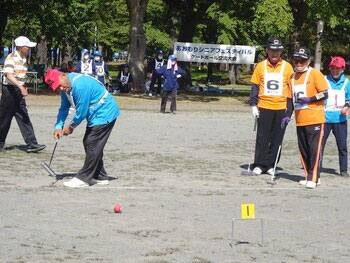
x=302 y=52
x=274 y=43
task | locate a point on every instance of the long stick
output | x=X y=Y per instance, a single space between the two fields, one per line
x=53 y=152
x=274 y=167
x=251 y=147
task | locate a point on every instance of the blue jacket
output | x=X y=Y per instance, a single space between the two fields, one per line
x=170 y=79
x=87 y=93
x=335 y=116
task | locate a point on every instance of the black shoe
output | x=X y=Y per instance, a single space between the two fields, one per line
x=344 y=174
x=2 y=147
x=32 y=148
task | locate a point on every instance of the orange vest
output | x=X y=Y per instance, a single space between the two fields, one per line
x=273 y=82
x=308 y=84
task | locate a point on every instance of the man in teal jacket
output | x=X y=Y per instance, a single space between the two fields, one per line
x=91 y=102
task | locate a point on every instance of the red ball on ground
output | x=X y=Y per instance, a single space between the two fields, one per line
x=118 y=208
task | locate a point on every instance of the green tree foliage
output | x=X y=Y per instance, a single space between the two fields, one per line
x=229 y=22
x=336 y=16
x=70 y=24
x=155 y=21
x=273 y=18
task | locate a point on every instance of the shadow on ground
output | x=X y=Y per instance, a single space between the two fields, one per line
x=329 y=171
x=290 y=177
x=71 y=175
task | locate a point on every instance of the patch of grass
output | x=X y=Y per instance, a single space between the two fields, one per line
x=199 y=77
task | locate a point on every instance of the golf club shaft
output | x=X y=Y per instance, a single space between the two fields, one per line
x=252 y=144
x=274 y=167
x=255 y=123
x=53 y=152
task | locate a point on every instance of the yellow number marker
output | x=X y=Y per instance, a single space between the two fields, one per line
x=248 y=211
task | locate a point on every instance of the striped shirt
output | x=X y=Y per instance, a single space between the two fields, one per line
x=16 y=65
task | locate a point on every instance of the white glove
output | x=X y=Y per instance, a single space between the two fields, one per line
x=178 y=76
x=255 y=111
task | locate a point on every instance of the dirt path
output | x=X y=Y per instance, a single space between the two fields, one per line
x=180 y=186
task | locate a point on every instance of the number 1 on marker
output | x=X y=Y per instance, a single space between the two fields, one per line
x=248 y=211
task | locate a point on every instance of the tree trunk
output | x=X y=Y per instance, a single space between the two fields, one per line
x=3 y=22
x=109 y=54
x=191 y=13
x=318 y=50
x=238 y=72
x=137 y=44
x=188 y=26
x=210 y=71
x=55 y=57
x=232 y=75
x=300 y=12
x=67 y=53
x=41 y=52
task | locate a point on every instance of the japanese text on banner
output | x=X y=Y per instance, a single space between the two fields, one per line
x=212 y=53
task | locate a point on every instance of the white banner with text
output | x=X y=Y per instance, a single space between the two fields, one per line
x=214 y=53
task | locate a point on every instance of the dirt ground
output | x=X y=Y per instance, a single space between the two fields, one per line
x=178 y=180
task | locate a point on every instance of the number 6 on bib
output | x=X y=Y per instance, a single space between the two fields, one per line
x=273 y=81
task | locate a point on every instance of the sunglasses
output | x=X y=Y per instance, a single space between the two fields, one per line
x=300 y=61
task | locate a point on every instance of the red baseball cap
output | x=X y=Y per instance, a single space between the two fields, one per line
x=52 y=78
x=338 y=62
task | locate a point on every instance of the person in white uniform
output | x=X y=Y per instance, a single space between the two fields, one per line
x=86 y=65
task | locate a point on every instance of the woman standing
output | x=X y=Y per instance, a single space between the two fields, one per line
x=171 y=73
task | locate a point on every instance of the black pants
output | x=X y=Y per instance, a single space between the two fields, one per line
x=158 y=78
x=340 y=131
x=310 y=146
x=122 y=88
x=12 y=105
x=165 y=99
x=268 y=138
x=94 y=141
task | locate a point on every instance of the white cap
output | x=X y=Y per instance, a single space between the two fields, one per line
x=24 y=42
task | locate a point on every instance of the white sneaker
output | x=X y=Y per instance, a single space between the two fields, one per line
x=100 y=182
x=75 y=183
x=270 y=172
x=310 y=185
x=257 y=171
x=303 y=182
x=150 y=95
